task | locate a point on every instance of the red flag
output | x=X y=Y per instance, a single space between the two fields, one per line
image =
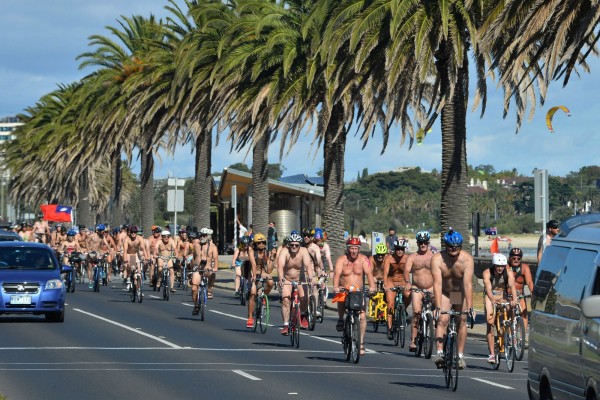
x=57 y=213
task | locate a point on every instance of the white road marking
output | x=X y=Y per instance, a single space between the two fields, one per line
x=154 y=297
x=492 y=383
x=245 y=375
x=173 y=345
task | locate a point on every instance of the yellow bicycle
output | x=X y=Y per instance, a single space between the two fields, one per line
x=377 y=310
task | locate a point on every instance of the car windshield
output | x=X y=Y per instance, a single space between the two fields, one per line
x=19 y=258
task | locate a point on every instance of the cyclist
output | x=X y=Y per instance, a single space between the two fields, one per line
x=320 y=239
x=452 y=270
x=107 y=245
x=133 y=247
x=151 y=245
x=58 y=237
x=498 y=283
x=183 y=249
x=523 y=277
x=349 y=271
x=69 y=246
x=162 y=252
x=393 y=275
x=241 y=262
x=263 y=267
x=376 y=262
x=206 y=257
x=93 y=245
x=293 y=262
x=41 y=229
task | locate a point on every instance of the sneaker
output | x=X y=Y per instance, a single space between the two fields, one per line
x=318 y=313
x=439 y=360
x=340 y=325
x=390 y=335
x=128 y=287
x=91 y=285
x=284 y=330
x=491 y=359
x=237 y=294
x=196 y=310
x=461 y=363
x=250 y=323
x=173 y=290
x=303 y=323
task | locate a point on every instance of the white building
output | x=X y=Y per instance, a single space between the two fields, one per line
x=7 y=126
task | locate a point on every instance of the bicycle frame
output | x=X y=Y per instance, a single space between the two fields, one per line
x=294 y=318
x=450 y=366
x=504 y=342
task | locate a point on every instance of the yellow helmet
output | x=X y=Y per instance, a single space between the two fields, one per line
x=259 y=237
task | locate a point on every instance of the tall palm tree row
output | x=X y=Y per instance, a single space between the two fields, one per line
x=262 y=70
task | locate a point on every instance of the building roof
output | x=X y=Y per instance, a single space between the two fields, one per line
x=243 y=180
x=302 y=179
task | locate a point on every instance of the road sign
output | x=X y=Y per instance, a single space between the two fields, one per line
x=175 y=198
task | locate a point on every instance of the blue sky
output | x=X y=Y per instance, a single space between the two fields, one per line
x=42 y=38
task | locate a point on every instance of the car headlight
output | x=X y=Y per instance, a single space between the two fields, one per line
x=54 y=284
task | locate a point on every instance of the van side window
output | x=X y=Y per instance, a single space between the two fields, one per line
x=596 y=284
x=574 y=282
x=549 y=270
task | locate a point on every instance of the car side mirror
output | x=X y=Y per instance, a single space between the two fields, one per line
x=66 y=268
x=590 y=307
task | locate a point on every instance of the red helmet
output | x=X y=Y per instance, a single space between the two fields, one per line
x=353 y=241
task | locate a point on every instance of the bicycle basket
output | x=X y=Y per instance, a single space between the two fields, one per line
x=354 y=301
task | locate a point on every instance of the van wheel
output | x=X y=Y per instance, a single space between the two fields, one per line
x=545 y=392
x=590 y=394
x=529 y=394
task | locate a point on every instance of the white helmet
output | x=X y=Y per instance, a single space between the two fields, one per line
x=165 y=233
x=499 y=259
x=206 y=231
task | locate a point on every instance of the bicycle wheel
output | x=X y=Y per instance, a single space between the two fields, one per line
x=72 y=282
x=396 y=327
x=447 y=360
x=133 y=292
x=256 y=312
x=454 y=367
x=139 y=289
x=297 y=328
x=355 y=339
x=264 y=313
x=202 y=301
x=496 y=353
x=312 y=313
x=320 y=306
x=242 y=291
x=509 y=349
x=165 y=284
x=519 y=338
x=402 y=326
x=419 y=340
x=347 y=337
x=97 y=279
x=428 y=339
x=81 y=273
x=293 y=324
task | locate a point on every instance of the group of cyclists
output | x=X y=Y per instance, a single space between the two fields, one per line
x=305 y=257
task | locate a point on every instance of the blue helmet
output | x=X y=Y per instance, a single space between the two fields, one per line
x=71 y=232
x=294 y=232
x=101 y=227
x=423 y=236
x=452 y=238
x=318 y=233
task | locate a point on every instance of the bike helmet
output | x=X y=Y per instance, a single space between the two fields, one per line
x=116 y=231
x=423 y=236
x=400 y=243
x=294 y=232
x=182 y=231
x=71 y=232
x=353 y=241
x=499 y=259
x=294 y=238
x=381 y=248
x=134 y=229
x=156 y=229
x=101 y=227
x=245 y=240
x=452 y=238
x=206 y=231
x=274 y=245
x=259 y=237
x=318 y=234
x=515 y=251
x=193 y=234
x=165 y=233
x=308 y=232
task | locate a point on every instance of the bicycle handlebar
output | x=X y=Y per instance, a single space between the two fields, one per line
x=453 y=313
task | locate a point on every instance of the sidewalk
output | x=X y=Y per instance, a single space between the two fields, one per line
x=225 y=280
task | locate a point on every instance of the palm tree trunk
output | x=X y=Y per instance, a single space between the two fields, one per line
x=260 y=183
x=203 y=180
x=334 y=150
x=84 y=207
x=147 y=188
x=454 y=203
x=115 y=196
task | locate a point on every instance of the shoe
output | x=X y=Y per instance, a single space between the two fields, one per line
x=129 y=287
x=491 y=359
x=461 y=363
x=390 y=335
x=318 y=314
x=340 y=325
x=413 y=347
x=303 y=323
x=250 y=323
x=209 y=295
x=173 y=290
x=284 y=330
x=237 y=294
x=439 y=360
x=196 y=310
x=91 y=285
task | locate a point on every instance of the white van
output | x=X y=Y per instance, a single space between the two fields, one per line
x=564 y=329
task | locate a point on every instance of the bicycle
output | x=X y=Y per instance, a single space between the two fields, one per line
x=518 y=328
x=261 y=308
x=166 y=277
x=311 y=311
x=95 y=282
x=104 y=269
x=504 y=340
x=294 y=318
x=322 y=297
x=202 y=298
x=351 y=333
x=182 y=274
x=451 y=360
x=70 y=276
x=135 y=291
x=399 y=317
x=425 y=330
x=81 y=267
x=244 y=287
x=378 y=307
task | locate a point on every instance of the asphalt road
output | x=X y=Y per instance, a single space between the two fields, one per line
x=109 y=347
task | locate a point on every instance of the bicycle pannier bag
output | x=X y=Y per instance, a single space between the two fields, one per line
x=354 y=300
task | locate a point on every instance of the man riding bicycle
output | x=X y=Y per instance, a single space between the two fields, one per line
x=393 y=275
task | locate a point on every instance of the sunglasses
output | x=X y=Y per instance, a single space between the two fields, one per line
x=203 y=235
x=422 y=243
x=454 y=248
x=261 y=242
x=515 y=258
x=294 y=245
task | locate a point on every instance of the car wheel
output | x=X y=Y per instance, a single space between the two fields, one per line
x=56 y=316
